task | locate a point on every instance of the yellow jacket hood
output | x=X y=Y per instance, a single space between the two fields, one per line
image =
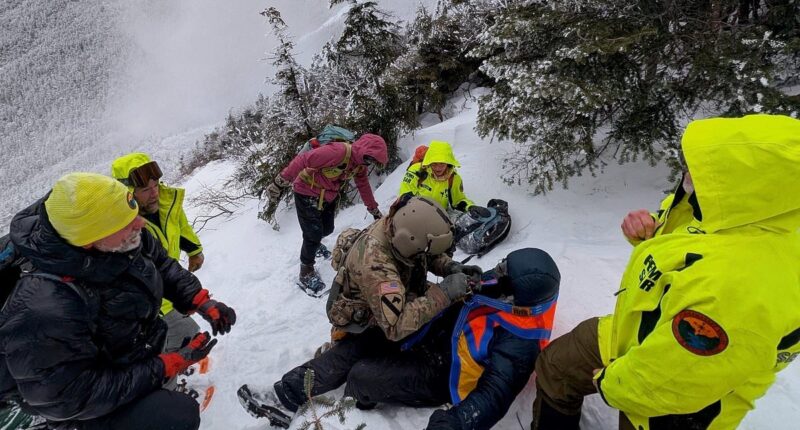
x=745 y=171
x=440 y=152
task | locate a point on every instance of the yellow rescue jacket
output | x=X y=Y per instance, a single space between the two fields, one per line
x=419 y=180
x=709 y=312
x=174 y=228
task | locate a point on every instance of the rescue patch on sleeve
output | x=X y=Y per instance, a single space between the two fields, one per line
x=698 y=333
x=391 y=302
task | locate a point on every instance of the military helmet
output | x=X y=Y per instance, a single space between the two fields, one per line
x=420 y=225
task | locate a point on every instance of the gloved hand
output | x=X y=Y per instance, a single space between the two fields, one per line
x=196 y=262
x=192 y=351
x=220 y=316
x=375 y=212
x=275 y=189
x=469 y=270
x=455 y=286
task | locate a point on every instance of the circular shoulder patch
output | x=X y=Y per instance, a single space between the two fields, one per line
x=698 y=333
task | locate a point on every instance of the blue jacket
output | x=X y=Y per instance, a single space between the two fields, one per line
x=498 y=344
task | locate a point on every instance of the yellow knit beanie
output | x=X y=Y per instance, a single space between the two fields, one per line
x=86 y=207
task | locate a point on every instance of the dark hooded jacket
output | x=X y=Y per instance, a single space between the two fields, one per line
x=79 y=351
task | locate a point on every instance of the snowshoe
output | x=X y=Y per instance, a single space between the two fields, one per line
x=264 y=405
x=195 y=382
x=323 y=252
x=313 y=285
x=482 y=228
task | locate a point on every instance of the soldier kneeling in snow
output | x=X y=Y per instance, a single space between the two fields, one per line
x=390 y=353
x=380 y=296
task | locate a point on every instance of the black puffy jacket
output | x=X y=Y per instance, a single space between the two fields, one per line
x=80 y=353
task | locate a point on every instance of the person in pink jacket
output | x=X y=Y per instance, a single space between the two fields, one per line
x=316 y=177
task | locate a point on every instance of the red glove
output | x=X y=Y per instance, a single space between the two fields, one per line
x=190 y=353
x=220 y=316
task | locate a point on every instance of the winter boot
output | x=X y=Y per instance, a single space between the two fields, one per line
x=267 y=405
x=323 y=252
x=309 y=279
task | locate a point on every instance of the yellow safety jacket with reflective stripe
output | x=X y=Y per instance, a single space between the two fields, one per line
x=442 y=191
x=709 y=312
x=174 y=226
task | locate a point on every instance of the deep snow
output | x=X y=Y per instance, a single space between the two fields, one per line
x=196 y=59
x=252 y=268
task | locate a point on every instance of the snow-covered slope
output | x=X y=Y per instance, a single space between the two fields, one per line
x=82 y=83
x=252 y=267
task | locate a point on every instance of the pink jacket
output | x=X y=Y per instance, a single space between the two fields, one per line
x=331 y=155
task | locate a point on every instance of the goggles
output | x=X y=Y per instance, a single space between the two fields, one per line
x=140 y=177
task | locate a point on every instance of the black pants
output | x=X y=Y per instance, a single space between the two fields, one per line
x=314 y=222
x=376 y=371
x=159 y=410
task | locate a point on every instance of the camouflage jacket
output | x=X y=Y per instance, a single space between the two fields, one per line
x=398 y=297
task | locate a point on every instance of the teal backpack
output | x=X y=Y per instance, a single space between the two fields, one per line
x=330 y=133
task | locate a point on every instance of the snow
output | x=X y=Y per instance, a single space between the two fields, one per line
x=165 y=73
x=252 y=268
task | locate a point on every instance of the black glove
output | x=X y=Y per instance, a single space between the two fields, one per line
x=192 y=351
x=469 y=270
x=375 y=212
x=220 y=316
x=443 y=420
x=455 y=286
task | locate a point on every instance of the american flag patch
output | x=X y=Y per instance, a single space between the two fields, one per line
x=389 y=287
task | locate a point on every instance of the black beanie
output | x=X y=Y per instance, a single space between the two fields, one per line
x=534 y=276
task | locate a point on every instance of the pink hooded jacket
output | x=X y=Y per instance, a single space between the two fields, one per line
x=331 y=155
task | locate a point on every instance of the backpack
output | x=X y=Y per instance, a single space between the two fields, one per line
x=344 y=242
x=14 y=266
x=330 y=133
x=419 y=155
x=481 y=228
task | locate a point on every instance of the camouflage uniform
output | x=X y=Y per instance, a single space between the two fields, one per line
x=395 y=295
x=393 y=300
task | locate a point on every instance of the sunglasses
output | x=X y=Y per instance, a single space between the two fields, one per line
x=141 y=176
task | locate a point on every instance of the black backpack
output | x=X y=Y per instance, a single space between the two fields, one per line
x=13 y=266
x=482 y=228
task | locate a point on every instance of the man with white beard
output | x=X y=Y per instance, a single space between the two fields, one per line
x=80 y=335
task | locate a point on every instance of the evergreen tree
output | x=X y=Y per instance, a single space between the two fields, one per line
x=436 y=63
x=283 y=120
x=576 y=78
x=289 y=75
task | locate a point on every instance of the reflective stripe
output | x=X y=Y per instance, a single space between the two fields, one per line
x=475 y=328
